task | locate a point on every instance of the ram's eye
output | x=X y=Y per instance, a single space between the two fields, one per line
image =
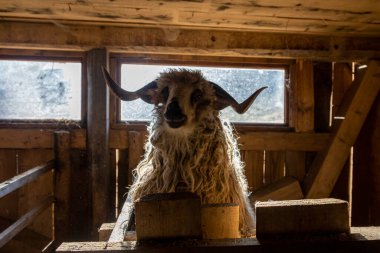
x=165 y=94
x=196 y=96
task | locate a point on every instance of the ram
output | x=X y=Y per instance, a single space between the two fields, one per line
x=190 y=148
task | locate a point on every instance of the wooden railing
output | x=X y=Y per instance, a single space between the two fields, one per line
x=17 y=182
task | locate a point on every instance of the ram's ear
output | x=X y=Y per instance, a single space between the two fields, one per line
x=223 y=99
x=146 y=93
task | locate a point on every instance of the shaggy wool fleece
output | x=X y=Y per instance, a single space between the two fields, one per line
x=207 y=161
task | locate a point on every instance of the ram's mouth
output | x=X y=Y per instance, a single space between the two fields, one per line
x=176 y=123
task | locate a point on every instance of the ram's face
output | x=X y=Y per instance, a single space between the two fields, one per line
x=184 y=98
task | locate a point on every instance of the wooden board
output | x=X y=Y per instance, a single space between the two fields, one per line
x=328 y=164
x=362 y=239
x=301 y=217
x=281 y=15
x=180 y=41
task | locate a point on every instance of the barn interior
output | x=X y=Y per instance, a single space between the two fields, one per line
x=64 y=179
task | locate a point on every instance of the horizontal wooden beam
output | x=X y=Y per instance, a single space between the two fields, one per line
x=28 y=176
x=28 y=139
x=21 y=223
x=283 y=141
x=185 y=41
x=363 y=239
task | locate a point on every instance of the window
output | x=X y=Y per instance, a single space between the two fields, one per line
x=40 y=90
x=239 y=82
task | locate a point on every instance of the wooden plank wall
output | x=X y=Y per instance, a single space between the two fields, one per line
x=268 y=156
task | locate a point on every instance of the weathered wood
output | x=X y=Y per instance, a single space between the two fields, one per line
x=274 y=166
x=21 y=223
x=282 y=15
x=135 y=151
x=362 y=239
x=98 y=137
x=322 y=95
x=304 y=92
x=295 y=163
x=105 y=231
x=220 y=221
x=271 y=141
x=302 y=216
x=183 y=41
x=286 y=188
x=123 y=221
x=328 y=164
x=254 y=168
x=168 y=215
x=283 y=141
x=24 y=178
x=62 y=183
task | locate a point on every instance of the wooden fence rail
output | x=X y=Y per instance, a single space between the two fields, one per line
x=16 y=183
x=28 y=176
x=22 y=222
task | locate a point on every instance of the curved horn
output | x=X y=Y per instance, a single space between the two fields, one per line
x=146 y=93
x=224 y=99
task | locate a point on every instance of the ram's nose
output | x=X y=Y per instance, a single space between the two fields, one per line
x=174 y=116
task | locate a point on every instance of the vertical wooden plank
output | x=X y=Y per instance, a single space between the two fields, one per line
x=254 y=168
x=62 y=182
x=304 y=94
x=322 y=95
x=97 y=138
x=274 y=166
x=124 y=176
x=341 y=82
x=302 y=107
x=113 y=167
x=295 y=164
x=135 y=152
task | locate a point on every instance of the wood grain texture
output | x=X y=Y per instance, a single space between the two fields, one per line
x=281 y=15
x=301 y=217
x=181 y=41
x=361 y=239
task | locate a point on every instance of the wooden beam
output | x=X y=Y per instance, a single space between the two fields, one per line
x=283 y=141
x=21 y=223
x=62 y=183
x=105 y=231
x=97 y=138
x=20 y=180
x=185 y=41
x=118 y=139
x=362 y=239
x=123 y=221
x=328 y=164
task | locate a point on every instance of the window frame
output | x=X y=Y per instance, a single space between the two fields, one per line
x=48 y=56
x=116 y=60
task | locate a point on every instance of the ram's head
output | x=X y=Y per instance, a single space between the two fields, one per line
x=182 y=97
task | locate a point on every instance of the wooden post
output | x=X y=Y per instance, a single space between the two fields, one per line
x=136 y=143
x=302 y=116
x=62 y=175
x=97 y=138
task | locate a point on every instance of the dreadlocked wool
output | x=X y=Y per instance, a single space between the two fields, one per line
x=207 y=161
